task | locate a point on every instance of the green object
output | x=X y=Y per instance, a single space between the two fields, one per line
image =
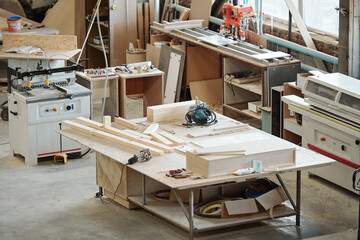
x=266 y=120
x=139 y=69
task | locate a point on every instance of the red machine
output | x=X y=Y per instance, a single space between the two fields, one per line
x=235 y=20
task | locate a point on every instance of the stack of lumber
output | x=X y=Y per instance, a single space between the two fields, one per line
x=158 y=142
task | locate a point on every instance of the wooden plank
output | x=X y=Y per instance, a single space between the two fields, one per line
x=146 y=23
x=157 y=137
x=140 y=19
x=78 y=126
x=184 y=15
x=152 y=128
x=209 y=68
x=209 y=91
x=168 y=112
x=172 y=138
x=172 y=78
x=231 y=149
x=137 y=133
x=56 y=42
x=153 y=54
x=200 y=9
x=166 y=4
x=304 y=32
x=273 y=152
x=117 y=132
x=169 y=60
x=123 y=122
x=107 y=122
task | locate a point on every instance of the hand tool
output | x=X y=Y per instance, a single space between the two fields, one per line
x=144 y=155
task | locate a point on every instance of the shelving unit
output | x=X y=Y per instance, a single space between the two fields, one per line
x=121 y=29
x=291 y=129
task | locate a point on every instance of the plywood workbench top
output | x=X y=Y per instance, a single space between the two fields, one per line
x=159 y=165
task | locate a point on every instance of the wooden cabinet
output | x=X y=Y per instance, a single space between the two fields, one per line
x=120 y=26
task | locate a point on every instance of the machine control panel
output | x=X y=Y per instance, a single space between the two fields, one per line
x=46 y=110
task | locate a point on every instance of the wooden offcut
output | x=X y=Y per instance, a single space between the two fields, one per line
x=152 y=128
x=123 y=122
x=158 y=138
x=168 y=112
x=200 y=9
x=54 y=42
x=272 y=153
x=172 y=138
x=140 y=19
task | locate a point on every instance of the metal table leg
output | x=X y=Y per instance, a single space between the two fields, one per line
x=144 y=189
x=191 y=213
x=298 y=197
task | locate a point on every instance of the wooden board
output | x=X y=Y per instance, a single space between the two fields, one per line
x=272 y=153
x=55 y=42
x=168 y=112
x=200 y=9
x=51 y=54
x=140 y=21
x=157 y=137
x=153 y=54
x=168 y=64
x=146 y=23
x=209 y=68
x=154 y=10
x=209 y=91
x=126 y=123
x=152 y=128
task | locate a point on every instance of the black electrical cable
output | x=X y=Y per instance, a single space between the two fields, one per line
x=210 y=117
x=117 y=188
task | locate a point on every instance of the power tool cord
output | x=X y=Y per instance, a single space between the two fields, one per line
x=117 y=188
x=210 y=115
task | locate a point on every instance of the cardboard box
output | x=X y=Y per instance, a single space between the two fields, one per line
x=238 y=208
x=254 y=106
x=184 y=195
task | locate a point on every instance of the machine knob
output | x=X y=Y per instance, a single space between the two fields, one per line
x=54 y=109
x=47 y=110
x=15 y=102
x=68 y=107
x=343 y=147
x=357 y=142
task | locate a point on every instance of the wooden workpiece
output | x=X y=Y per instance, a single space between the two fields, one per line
x=152 y=128
x=167 y=112
x=126 y=123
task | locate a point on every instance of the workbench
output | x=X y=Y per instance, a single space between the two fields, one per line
x=141 y=180
x=238 y=57
x=150 y=85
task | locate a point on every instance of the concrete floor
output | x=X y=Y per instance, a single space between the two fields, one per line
x=57 y=202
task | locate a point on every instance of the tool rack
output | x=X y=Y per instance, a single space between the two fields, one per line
x=140 y=181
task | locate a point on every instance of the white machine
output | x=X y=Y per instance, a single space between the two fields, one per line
x=38 y=101
x=331 y=123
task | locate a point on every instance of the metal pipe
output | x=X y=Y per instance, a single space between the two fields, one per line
x=289 y=30
x=181 y=203
x=144 y=189
x=286 y=191
x=191 y=209
x=298 y=197
x=216 y=20
x=302 y=49
x=261 y=18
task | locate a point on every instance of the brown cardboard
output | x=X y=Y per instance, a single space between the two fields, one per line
x=210 y=193
x=242 y=206
x=272 y=198
x=184 y=195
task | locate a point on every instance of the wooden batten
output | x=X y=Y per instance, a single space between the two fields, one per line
x=172 y=138
x=106 y=122
x=158 y=138
x=152 y=128
x=168 y=112
x=123 y=122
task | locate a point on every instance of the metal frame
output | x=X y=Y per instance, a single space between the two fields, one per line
x=189 y=212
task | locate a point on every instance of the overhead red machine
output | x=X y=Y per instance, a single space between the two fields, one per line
x=235 y=20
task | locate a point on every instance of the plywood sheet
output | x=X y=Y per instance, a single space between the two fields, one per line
x=140 y=18
x=200 y=9
x=153 y=54
x=209 y=91
x=56 y=42
x=202 y=64
x=146 y=22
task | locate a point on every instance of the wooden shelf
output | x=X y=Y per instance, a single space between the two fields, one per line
x=254 y=87
x=95 y=22
x=99 y=47
x=291 y=125
x=247 y=112
x=172 y=212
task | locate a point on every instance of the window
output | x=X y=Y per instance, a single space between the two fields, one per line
x=319 y=15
